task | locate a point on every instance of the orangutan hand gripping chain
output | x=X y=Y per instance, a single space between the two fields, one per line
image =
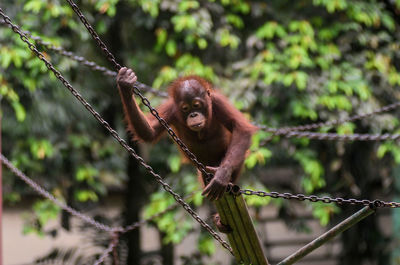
x=216 y=132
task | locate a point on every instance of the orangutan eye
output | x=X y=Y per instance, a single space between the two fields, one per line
x=196 y=104
x=185 y=107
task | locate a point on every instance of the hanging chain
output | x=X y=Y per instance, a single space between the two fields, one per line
x=95 y=36
x=298 y=131
x=49 y=196
x=330 y=123
x=337 y=137
x=114 y=133
x=112 y=246
x=77 y=214
x=136 y=90
x=325 y=199
x=71 y=55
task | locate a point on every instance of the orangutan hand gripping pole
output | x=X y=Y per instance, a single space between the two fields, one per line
x=217 y=133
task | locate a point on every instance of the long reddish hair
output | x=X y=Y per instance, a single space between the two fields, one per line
x=176 y=84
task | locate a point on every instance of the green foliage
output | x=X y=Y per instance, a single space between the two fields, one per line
x=151 y=7
x=185 y=65
x=271 y=29
x=175 y=225
x=86 y=195
x=174 y=162
x=312 y=168
x=259 y=156
x=41 y=149
x=107 y=6
x=324 y=212
x=44 y=211
x=255 y=201
x=391 y=148
x=332 y=6
x=206 y=244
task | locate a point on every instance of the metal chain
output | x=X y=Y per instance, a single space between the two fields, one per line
x=114 y=133
x=74 y=212
x=338 y=137
x=49 y=196
x=113 y=244
x=313 y=126
x=70 y=55
x=92 y=65
x=325 y=199
x=95 y=36
x=136 y=90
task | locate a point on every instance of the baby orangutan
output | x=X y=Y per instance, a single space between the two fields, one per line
x=216 y=132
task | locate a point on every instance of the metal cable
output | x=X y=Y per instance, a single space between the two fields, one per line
x=114 y=133
x=325 y=199
x=338 y=137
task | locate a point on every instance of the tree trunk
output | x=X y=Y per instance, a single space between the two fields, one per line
x=133 y=202
x=364 y=243
x=167 y=251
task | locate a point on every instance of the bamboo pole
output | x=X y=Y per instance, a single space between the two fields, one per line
x=251 y=233
x=316 y=243
x=243 y=238
x=234 y=238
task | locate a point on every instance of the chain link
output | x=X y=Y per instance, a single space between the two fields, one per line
x=114 y=133
x=325 y=199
